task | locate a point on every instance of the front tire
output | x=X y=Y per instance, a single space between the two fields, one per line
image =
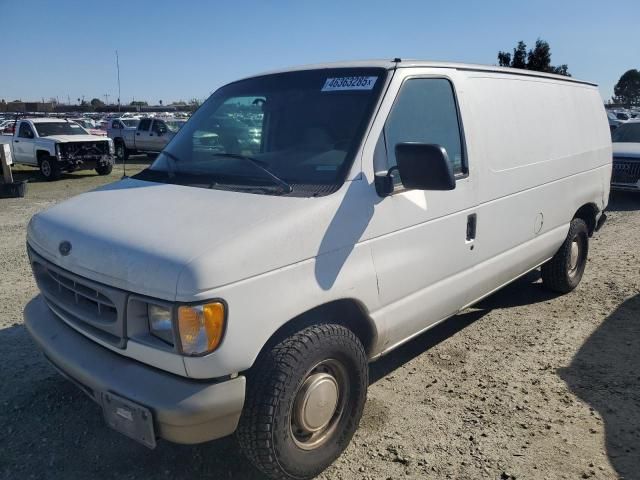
x=49 y=167
x=104 y=169
x=304 y=402
x=564 y=271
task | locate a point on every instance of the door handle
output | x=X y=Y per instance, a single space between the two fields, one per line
x=137 y=134
x=16 y=141
x=151 y=134
x=472 y=221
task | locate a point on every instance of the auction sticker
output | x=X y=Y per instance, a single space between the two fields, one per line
x=349 y=83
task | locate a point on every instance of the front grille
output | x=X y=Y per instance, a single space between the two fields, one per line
x=625 y=171
x=80 y=149
x=89 y=306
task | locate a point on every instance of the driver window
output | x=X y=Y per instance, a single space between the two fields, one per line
x=425 y=112
x=159 y=127
x=25 y=131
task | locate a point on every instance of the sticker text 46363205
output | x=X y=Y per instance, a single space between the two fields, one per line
x=348 y=83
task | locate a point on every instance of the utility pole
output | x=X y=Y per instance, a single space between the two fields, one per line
x=106 y=99
x=118 y=68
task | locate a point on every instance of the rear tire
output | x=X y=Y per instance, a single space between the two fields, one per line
x=104 y=169
x=304 y=402
x=49 y=167
x=564 y=271
x=122 y=153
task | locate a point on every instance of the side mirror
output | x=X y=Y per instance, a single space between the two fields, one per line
x=421 y=166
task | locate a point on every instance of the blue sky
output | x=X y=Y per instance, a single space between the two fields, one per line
x=171 y=50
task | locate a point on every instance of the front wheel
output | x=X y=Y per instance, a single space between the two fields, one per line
x=304 y=402
x=564 y=271
x=49 y=167
x=104 y=169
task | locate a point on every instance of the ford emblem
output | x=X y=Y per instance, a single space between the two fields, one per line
x=64 y=248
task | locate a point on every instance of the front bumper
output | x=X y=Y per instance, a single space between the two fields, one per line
x=184 y=410
x=85 y=162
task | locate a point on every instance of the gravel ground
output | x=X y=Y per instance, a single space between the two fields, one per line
x=524 y=385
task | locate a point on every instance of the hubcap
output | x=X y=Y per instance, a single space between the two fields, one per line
x=575 y=256
x=319 y=404
x=316 y=402
x=46 y=168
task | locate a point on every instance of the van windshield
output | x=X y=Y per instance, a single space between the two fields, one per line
x=302 y=127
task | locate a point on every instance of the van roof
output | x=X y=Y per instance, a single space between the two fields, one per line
x=390 y=64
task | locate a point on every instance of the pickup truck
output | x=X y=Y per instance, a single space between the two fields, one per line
x=150 y=136
x=56 y=146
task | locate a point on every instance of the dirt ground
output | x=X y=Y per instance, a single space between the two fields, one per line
x=525 y=385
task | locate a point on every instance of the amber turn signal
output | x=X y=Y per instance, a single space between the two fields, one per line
x=201 y=327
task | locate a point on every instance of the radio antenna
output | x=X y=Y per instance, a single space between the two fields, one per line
x=124 y=146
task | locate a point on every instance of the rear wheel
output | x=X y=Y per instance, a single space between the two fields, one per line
x=304 y=402
x=49 y=167
x=121 y=150
x=564 y=271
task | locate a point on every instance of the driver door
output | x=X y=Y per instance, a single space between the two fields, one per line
x=424 y=241
x=24 y=145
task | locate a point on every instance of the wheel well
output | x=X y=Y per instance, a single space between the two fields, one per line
x=347 y=312
x=588 y=213
x=41 y=153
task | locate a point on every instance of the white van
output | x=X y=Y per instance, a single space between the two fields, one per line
x=243 y=282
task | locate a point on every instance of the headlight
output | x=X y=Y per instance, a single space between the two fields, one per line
x=112 y=148
x=160 y=323
x=57 y=146
x=201 y=327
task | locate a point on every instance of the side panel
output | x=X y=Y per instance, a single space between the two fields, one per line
x=537 y=151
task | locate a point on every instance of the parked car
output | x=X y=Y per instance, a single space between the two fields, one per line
x=614 y=121
x=89 y=126
x=7 y=126
x=56 y=146
x=149 y=136
x=626 y=157
x=251 y=285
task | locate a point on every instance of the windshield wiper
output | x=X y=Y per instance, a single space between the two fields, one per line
x=286 y=188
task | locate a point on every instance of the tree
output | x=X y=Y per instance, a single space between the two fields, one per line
x=504 y=59
x=538 y=59
x=627 y=90
x=520 y=56
x=96 y=102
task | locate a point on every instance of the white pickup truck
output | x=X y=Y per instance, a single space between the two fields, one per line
x=56 y=146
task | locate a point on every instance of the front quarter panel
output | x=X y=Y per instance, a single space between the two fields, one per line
x=261 y=304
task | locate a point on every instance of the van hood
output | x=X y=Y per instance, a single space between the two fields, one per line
x=172 y=241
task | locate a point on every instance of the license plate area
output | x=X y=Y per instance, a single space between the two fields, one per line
x=128 y=418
